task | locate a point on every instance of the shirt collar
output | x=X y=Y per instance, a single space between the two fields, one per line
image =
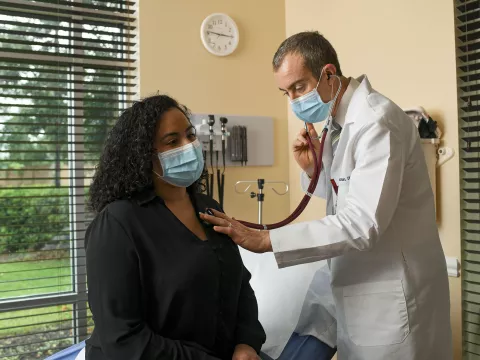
x=345 y=101
x=148 y=195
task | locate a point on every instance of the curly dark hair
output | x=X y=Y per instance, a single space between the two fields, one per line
x=125 y=166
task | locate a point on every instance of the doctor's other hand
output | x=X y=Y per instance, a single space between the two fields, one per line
x=244 y=352
x=250 y=239
x=301 y=151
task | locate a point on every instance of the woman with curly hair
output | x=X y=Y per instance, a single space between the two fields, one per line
x=161 y=283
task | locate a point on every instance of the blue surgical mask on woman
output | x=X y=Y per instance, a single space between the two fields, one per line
x=310 y=107
x=182 y=166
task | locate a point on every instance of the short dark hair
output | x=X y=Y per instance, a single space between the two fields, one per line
x=315 y=50
x=125 y=166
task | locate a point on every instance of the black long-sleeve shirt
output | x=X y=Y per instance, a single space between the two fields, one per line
x=157 y=291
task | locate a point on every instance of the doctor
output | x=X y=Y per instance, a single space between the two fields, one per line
x=388 y=272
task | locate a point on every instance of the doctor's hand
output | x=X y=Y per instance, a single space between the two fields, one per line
x=244 y=352
x=250 y=239
x=301 y=151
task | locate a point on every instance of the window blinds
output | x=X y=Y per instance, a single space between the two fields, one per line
x=468 y=66
x=67 y=69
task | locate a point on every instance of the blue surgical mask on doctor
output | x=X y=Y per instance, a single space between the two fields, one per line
x=182 y=166
x=310 y=107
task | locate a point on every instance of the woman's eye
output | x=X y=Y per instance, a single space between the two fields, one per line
x=172 y=142
x=192 y=136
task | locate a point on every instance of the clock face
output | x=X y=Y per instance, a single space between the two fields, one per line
x=219 y=34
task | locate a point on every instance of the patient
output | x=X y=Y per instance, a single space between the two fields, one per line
x=162 y=284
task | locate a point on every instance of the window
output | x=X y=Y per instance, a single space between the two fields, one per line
x=468 y=69
x=67 y=69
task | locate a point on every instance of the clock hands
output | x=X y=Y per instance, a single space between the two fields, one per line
x=219 y=34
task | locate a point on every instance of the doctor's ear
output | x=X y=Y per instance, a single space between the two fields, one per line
x=331 y=71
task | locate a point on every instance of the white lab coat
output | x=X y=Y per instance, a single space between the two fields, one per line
x=388 y=271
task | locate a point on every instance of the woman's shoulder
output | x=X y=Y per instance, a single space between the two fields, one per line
x=117 y=210
x=108 y=225
x=114 y=215
x=124 y=209
x=120 y=209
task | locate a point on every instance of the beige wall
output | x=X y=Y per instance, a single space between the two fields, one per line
x=173 y=60
x=407 y=50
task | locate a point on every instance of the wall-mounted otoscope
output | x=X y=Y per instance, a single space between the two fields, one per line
x=221 y=178
x=214 y=140
x=211 y=122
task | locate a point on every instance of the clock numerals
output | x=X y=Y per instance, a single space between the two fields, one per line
x=219 y=34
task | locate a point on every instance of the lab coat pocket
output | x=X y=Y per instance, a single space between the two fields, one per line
x=376 y=313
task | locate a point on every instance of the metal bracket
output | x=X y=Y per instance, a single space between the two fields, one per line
x=444 y=154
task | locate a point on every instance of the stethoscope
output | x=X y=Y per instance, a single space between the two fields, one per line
x=316 y=173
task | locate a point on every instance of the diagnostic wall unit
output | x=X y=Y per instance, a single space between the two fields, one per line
x=260 y=144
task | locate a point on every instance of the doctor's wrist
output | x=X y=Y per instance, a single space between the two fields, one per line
x=267 y=243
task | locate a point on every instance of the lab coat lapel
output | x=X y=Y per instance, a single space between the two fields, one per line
x=352 y=113
x=327 y=166
x=358 y=99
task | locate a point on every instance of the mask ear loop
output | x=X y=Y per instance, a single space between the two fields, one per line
x=319 y=79
x=330 y=110
x=334 y=100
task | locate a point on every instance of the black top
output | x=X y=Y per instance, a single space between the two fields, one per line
x=157 y=291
